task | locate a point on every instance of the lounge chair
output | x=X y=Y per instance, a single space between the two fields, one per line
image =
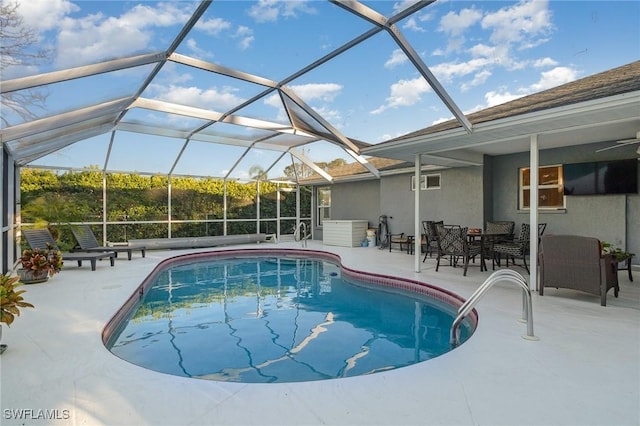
x=87 y=242
x=42 y=238
x=576 y=262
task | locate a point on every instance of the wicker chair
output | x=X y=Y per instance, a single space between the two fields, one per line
x=453 y=243
x=575 y=262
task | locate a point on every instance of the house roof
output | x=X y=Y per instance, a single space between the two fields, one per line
x=350 y=170
x=604 y=107
x=621 y=81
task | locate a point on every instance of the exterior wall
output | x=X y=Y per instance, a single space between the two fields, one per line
x=613 y=218
x=458 y=201
x=354 y=200
x=470 y=196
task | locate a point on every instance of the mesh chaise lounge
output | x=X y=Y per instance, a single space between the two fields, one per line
x=42 y=238
x=88 y=242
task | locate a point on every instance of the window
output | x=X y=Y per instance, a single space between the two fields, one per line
x=324 y=204
x=432 y=181
x=550 y=188
x=426 y=182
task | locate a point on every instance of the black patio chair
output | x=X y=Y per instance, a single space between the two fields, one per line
x=518 y=248
x=87 y=242
x=453 y=243
x=430 y=237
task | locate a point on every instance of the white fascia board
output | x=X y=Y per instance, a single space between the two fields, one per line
x=511 y=127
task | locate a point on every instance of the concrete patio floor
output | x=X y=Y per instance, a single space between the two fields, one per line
x=584 y=370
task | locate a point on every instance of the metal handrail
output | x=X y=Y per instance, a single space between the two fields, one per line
x=501 y=275
x=302 y=226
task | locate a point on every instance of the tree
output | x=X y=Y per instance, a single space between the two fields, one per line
x=18 y=48
x=301 y=170
x=257 y=173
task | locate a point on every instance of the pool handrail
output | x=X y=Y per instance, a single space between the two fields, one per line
x=501 y=275
x=302 y=227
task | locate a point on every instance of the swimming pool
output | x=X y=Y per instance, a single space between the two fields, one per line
x=279 y=315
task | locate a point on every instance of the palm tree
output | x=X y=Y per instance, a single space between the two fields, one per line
x=257 y=173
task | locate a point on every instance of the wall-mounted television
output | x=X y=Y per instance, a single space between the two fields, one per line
x=601 y=177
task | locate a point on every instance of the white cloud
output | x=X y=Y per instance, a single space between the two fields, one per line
x=44 y=15
x=478 y=79
x=212 y=98
x=447 y=71
x=214 y=26
x=272 y=10
x=404 y=93
x=496 y=97
x=553 y=78
x=521 y=23
x=397 y=58
x=192 y=44
x=455 y=24
x=482 y=50
x=545 y=62
x=245 y=37
x=96 y=37
x=412 y=24
x=325 y=92
x=548 y=79
x=399 y=6
x=331 y=115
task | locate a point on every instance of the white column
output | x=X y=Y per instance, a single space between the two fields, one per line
x=258 y=206
x=533 y=213
x=416 y=226
x=224 y=208
x=104 y=209
x=169 y=207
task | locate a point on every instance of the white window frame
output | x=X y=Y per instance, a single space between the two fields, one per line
x=424 y=182
x=320 y=206
x=522 y=188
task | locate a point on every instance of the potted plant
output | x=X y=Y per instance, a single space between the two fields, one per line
x=11 y=301
x=619 y=254
x=39 y=264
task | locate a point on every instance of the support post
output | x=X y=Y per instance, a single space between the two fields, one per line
x=416 y=225
x=533 y=213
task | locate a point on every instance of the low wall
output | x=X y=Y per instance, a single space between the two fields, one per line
x=196 y=242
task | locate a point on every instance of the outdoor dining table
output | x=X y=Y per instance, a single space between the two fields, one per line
x=484 y=237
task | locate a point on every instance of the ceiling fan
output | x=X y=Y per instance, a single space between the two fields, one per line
x=623 y=142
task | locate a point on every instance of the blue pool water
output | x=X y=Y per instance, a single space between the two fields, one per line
x=265 y=319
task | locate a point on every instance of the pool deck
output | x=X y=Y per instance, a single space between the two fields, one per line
x=584 y=370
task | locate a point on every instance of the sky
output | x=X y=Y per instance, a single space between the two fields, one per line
x=483 y=53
